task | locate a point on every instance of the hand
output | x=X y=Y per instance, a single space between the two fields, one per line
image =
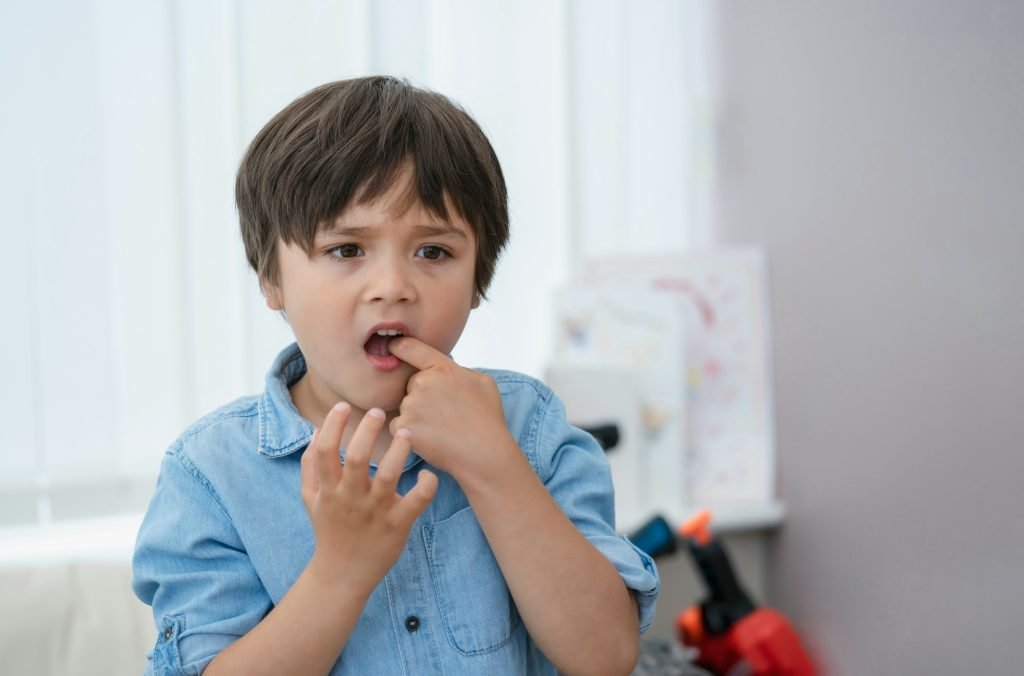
x=361 y=524
x=455 y=414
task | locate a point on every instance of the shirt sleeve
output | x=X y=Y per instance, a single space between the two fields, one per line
x=191 y=567
x=576 y=473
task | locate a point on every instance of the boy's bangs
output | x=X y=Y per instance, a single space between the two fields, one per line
x=421 y=149
x=415 y=186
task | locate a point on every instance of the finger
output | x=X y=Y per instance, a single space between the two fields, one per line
x=415 y=501
x=417 y=353
x=328 y=444
x=360 y=448
x=390 y=469
x=395 y=425
x=308 y=466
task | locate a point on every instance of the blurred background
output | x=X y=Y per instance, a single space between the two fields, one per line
x=872 y=150
x=125 y=122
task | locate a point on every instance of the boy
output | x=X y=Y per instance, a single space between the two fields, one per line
x=379 y=509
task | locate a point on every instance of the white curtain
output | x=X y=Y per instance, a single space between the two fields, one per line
x=130 y=309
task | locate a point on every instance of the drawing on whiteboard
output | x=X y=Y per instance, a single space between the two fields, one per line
x=715 y=390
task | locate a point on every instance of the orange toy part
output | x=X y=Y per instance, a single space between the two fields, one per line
x=697 y=527
x=690 y=626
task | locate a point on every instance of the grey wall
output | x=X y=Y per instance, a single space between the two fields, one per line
x=876 y=151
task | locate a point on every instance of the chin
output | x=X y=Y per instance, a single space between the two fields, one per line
x=386 y=401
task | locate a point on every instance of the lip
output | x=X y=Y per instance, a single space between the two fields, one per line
x=390 y=362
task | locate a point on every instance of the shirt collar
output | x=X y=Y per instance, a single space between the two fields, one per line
x=283 y=430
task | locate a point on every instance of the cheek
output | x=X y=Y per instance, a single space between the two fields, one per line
x=451 y=325
x=320 y=314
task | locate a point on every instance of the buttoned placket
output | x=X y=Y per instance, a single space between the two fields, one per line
x=412 y=603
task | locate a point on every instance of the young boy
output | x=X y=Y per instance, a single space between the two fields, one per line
x=380 y=509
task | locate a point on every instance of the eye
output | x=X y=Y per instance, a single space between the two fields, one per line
x=432 y=252
x=346 y=251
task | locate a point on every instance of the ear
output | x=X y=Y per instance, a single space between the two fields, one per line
x=476 y=301
x=273 y=296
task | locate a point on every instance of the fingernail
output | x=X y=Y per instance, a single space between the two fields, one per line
x=375 y=412
x=341 y=406
x=404 y=433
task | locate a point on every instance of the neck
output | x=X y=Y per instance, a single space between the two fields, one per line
x=313 y=406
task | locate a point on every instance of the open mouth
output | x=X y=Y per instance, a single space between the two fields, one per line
x=378 y=342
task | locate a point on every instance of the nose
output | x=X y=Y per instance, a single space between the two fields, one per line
x=390 y=282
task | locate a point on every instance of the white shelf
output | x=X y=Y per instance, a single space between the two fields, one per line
x=112 y=539
x=101 y=540
x=725 y=518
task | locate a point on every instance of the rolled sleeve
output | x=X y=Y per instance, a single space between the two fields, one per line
x=576 y=473
x=192 y=568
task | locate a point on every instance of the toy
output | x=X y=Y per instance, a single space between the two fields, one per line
x=731 y=634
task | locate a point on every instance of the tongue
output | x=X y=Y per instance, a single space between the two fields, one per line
x=378 y=345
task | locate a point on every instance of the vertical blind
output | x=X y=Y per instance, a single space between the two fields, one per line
x=130 y=309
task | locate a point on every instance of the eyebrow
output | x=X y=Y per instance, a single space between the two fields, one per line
x=431 y=230
x=440 y=230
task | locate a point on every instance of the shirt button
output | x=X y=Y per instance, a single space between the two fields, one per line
x=168 y=633
x=412 y=623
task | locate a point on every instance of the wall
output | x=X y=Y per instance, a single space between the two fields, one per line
x=876 y=151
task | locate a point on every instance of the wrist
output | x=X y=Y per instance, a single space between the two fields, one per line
x=340 y=581
x=490 y=471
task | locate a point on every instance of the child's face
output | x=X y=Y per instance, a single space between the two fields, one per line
x=372 y=269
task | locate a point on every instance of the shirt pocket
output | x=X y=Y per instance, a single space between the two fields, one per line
x=476 y=606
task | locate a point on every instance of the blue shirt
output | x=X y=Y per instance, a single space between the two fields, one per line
x=226 y=535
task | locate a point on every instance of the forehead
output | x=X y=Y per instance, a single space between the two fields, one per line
x=352 y=225
x=399 y=205
x=417 y=217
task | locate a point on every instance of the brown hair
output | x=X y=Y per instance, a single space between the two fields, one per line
x=348 y=141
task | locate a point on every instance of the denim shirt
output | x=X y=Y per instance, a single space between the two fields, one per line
x=226 y=535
